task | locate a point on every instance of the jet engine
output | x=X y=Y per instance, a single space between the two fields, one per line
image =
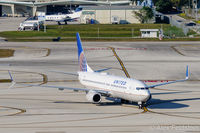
x=93 y=96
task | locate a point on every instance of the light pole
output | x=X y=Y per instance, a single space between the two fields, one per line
x=189 y=9
x=110 y=14
x=193 y=8
x=189 y=4
x=196 y=11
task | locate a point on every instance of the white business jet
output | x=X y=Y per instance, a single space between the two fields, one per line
x=102 y=84
x=72 y=16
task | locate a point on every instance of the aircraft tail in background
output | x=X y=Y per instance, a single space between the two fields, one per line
x=81 y=56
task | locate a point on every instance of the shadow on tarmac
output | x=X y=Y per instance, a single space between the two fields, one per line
x=168 y=104
x=151 y=104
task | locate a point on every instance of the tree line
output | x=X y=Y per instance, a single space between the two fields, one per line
x=166 y=6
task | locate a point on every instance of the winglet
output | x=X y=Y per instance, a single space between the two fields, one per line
x=187 y=73
x=11 y=78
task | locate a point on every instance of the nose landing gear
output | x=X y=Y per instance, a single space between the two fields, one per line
x=141 y=105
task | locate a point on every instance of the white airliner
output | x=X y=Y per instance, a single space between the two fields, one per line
x=73 y=15
x=102 y=84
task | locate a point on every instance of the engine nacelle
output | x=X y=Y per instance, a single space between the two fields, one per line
x=93 y=96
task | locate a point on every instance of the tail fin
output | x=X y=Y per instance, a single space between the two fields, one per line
x=78 y=9
x=81 y=57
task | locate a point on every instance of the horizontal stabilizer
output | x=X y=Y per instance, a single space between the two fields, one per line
x=101 y=70
x=68 y=73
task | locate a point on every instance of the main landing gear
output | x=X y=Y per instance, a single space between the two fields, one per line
x=59 y=23
x=141 y=105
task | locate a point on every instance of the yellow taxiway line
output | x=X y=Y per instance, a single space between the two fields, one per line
x=120 y=62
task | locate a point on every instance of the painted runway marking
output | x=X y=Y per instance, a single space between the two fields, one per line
x=48 y=51
x=115 y=48
x=44 y=78
x=20 y=111
x=173 y=47
x=76 y=120
x=120 y=61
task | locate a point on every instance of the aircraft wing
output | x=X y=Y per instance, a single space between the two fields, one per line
x=102 y=92
x=171 y=82
x=74 y=89
x=68 y=73
x=101 y=70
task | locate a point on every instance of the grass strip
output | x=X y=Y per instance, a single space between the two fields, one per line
x=97 y=32
x=105 y=39
x=5 y=80
x=6 y=53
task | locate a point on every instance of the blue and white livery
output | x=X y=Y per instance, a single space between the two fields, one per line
x=101 y=84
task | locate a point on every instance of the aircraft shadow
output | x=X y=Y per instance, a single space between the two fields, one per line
x=114 y=102
x=165 y=93
x=71 y=102
x=168 y=104
x=152 y=104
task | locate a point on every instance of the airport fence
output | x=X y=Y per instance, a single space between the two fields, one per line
x=114 y=31
x=179 y=24
x=93 y=31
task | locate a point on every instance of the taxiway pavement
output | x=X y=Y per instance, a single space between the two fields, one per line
x=173 y=108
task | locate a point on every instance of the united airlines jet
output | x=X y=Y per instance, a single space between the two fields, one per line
x=101 y=84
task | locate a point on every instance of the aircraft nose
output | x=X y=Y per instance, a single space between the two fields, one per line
x=147 y=95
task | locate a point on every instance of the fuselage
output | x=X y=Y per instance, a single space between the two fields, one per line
x=63 y=17
x=120 y=87
x=58 y=17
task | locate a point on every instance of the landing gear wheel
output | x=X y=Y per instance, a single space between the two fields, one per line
x=141 y=105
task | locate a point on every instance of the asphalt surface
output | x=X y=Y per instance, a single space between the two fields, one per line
x=173 y=108
x=10 y=23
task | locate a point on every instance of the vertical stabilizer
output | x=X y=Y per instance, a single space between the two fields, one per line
x=81 y=56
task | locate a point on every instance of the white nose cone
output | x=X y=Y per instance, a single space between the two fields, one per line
x=146 y=94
